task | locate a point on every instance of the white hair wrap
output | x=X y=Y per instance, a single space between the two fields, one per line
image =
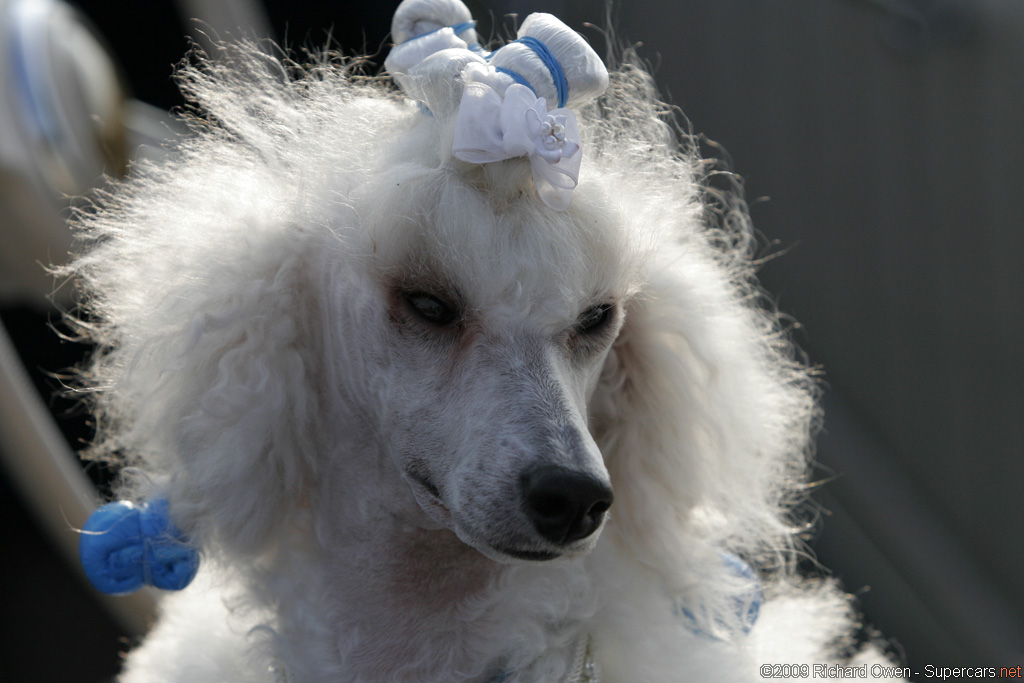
x=415 y=18
x=513 y=102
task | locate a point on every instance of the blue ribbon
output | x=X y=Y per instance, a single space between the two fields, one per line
x=124 y=547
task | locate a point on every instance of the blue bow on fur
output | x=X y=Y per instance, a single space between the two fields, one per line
x=124 y=547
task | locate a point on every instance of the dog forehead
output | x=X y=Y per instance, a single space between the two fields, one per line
x=518 y=254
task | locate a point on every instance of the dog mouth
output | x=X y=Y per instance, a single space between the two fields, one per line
x=529 y=555
x=428 y=496
x=426 y=484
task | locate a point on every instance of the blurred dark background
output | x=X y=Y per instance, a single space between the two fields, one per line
x=880 y=144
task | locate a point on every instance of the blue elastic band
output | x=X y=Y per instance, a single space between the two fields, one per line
x=464 y=26
x=557 y=75
x=458 y=28
x=515 y=76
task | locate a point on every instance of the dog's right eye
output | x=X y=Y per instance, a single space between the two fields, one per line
x=594 y=318
x=431 y=309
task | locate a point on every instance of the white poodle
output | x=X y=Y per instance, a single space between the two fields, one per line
x=454 y=384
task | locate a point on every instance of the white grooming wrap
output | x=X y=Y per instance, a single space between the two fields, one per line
x=415 y=18
x=407 y=55
x=422 y=30
x=507 y=102
x=437 y=80
x=584 y=71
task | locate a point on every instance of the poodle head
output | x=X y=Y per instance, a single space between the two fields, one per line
x=469 y=336
x=314 y=307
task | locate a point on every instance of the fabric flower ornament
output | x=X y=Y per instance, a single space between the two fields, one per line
x=494 y=126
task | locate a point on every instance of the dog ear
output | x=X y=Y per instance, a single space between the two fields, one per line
x=703 y=418
x=246 y=398
x=244 y=433
x=205 y=373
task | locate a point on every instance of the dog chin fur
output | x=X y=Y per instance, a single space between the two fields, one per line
x=259 y=367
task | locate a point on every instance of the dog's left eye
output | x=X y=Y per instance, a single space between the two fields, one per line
x=431 y=309
x=593 y=319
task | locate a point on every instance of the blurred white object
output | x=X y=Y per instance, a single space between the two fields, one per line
x=62 y=126
x=66 y=122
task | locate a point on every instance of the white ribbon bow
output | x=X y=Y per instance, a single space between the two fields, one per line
x=491 y=127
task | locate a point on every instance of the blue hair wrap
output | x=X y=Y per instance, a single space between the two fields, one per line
x=124 y=547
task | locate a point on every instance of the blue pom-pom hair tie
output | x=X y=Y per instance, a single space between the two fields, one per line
x=124 y=547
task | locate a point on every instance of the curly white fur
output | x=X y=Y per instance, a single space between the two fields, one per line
x=350 y=471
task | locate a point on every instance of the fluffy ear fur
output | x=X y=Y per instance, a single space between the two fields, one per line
x=206 y=292
x=200 y=303
x=214 y=393
x=703 y=415
x=692 y=405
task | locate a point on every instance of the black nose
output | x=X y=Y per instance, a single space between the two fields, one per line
x=565 y=505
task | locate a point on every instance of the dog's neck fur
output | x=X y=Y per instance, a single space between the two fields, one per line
x=393 y=592
x=426 y=602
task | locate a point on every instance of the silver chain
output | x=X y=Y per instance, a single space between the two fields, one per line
x=584 y=668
